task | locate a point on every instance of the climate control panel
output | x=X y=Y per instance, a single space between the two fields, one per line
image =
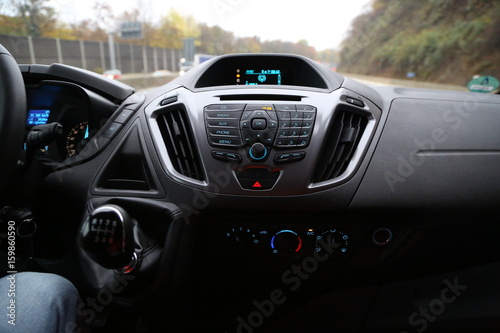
x=287 y=242
x=259 y=127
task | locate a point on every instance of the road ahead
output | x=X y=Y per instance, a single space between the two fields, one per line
x=383 y=81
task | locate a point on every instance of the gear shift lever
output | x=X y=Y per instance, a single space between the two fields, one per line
x=107 y=237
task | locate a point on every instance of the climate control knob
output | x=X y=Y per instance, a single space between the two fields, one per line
x=242 y=239
x=332 y=241
x=258 y=152
x=286 y=241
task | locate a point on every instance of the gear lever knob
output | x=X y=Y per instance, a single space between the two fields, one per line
x=107 y=237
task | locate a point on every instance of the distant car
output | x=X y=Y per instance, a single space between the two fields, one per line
x=113 y=74
x=161 y=73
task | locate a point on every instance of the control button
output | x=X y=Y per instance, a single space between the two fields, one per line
x=225 y=107
x=382 y=236
x=228 y=142
x=168 y=100
x=288 y=158
x=284 y=107
x=297 y=156
x=257 y=179
x=217 y=131
x=284 y=124
x=304 y=132
x=272 y=115
x=259 y=114
x=257 y=184
x=259 y=124
x=283 y=134
x=124 y=116
x=223 y=114
x=257 y=152
x=112 y=129
x=272 y=124
x=245 y=124
x=269 y=137
x=283 y=115
x=280 y=143
x=222 y=123
x=226 y=157
x=308 y=115
x=247 y=137
x=306 y=108
x=302 y=142
x=296 y=115
x=245 y=115
x=307 y=124
x=354 y=101
x=253 y=107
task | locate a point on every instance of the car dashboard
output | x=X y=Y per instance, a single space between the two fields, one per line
x=282 y=196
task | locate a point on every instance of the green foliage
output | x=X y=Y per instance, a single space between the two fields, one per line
x=426 y=37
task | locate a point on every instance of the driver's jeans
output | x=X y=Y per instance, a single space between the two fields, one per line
x=39 y=302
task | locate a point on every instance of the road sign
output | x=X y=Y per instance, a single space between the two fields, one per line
x=483 y=84
x=130 y=30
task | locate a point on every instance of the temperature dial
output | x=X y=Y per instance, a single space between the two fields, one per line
x=243 y=239
x=286 y=241
x=332 y=241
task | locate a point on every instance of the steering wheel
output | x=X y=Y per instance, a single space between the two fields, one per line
x=12 y=115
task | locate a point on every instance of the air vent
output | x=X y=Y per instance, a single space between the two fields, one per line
x=342 y=140
x=180 y=143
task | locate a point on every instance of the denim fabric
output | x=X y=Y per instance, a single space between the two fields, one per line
x=44 y=303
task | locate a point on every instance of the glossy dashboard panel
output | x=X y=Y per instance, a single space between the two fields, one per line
x=259 y=148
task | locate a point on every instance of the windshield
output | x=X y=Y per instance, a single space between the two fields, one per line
x=440 y=44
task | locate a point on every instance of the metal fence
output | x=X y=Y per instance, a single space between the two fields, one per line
x=91 y=55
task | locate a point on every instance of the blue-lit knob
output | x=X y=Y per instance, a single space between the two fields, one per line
x=286 y=241
x=257 y=152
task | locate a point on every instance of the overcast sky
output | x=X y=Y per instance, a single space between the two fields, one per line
x=269 y=19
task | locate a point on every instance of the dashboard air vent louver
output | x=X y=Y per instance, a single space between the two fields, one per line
x=342 y=140
x=180 y=143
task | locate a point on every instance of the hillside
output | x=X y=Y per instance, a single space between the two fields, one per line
x=445 y=41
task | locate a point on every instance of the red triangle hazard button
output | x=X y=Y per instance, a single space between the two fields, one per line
x=256 y=184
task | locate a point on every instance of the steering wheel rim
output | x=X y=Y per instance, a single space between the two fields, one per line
x=12 y=115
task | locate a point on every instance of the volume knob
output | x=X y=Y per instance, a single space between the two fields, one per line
x=258 y=152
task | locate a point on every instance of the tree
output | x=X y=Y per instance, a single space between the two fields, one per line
x=173 y=29
x=36 y=15
x=215 y=40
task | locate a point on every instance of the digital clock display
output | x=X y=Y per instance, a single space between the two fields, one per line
x=38 y=117
x=254 y=77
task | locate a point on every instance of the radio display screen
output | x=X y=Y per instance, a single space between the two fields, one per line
x=38 y=117
x=254 y=77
